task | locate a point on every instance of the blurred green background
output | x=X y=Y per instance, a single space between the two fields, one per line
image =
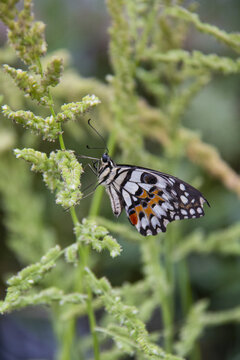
x=81 y=28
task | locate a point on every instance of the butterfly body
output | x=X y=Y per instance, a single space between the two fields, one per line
x=151 y=199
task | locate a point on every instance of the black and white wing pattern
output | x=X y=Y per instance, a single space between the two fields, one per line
x=151 y=199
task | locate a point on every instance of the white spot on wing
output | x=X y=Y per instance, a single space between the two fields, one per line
x=184 y=199
x=126 y=198
x=199 y=210
x=138 y=226
x=182 y=187
x=131 y=187
x=165 y=197
x=192 y=211
x=165 y=222
x=166 y=206
x=154 y=222
x=144 y=222
x=161 y=183
x=146 y=187
x=184 y=212
x=159 y=211
x=121 y=177
x=135 y=176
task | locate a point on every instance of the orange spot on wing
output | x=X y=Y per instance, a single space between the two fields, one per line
x=143 y=195
x=155 y=200
x=157 y=197
x=133 y=218
x=138 y=208
x=148 y=211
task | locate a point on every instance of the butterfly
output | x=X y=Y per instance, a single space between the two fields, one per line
x=151 y=198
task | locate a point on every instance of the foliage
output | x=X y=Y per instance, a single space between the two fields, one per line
x=146 y=55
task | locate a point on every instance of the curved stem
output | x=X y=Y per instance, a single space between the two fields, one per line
x=92 y=322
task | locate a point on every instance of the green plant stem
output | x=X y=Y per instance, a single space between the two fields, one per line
x=186 y=299
x=167 y=320
x=92 y=322
x=83 y=253
x=184 y=287
x=74 y=216
x=68 y=336
x=61 y=142
x=168 y=305
x=95 y=206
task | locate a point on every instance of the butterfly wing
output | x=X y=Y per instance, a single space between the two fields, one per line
x=153 y=199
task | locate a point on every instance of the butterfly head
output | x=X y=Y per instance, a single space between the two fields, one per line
x=106 y=162
x=105 y=158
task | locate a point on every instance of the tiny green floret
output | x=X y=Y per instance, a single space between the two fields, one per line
x=8 y=11
x=32 y=274
x=44 y=297
x=53 y=72
x=61 y=172
x=71 y=111
x=71 y=253
x=68 y=193
x=26 y=36
x=197 y=60
x=29 y=84
x=127 y=316
x=230 y=39
x=38 y=159
x=97 y=236
x=47 y=127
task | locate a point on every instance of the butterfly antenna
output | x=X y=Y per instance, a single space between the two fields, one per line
x=101 y=137
x=86 y=157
